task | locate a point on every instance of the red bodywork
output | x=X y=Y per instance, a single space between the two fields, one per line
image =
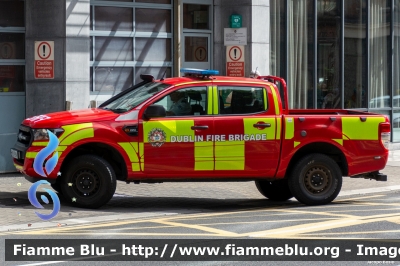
x=175 y=160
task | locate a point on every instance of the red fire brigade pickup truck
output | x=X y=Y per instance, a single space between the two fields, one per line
x=203 y=127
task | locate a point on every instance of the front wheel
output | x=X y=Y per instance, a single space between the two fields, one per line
x=277 y=190
x=89 y=181
x=56 y=187
x=316 y=179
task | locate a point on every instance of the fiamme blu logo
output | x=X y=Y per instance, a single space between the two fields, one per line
x=49 y=167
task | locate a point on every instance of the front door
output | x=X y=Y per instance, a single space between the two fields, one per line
x=177 y=145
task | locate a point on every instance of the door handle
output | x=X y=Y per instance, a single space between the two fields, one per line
x=262 y=125
x=199 y=127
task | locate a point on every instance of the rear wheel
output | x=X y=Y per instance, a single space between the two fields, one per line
x=316 y=179
x=277 y=190
x=89 y=181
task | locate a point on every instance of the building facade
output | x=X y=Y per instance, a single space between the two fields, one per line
x=333 y=53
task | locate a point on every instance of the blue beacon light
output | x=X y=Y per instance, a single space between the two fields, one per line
x=205 y=72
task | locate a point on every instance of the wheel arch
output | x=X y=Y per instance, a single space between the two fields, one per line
x=107 y=152
x=320 y=147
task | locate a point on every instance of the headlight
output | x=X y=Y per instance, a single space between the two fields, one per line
x=41 y=134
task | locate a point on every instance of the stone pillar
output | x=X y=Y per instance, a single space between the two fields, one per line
x=66 y=22
x=177 y=37
x=260 y=36
x=77 y=53
x=45 y=21
x=255 y=17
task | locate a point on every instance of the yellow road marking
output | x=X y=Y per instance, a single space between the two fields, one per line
x=320 y=226
x=358 y=198
x=125 y=234
x=209 y=224
x=201 y=228
x=355 y=233
x=270 y=211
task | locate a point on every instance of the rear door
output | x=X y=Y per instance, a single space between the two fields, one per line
x=247 y=120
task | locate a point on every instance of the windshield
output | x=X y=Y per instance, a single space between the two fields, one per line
x=135 y=97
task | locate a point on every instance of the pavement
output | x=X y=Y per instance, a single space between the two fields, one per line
x=133 y=201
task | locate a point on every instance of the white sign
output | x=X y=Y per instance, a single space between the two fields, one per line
x=235 y=36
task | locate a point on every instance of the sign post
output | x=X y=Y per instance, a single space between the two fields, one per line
x=235 y=38
x=235 y=61
x=44 y=60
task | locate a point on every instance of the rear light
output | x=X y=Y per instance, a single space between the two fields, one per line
x=384 y=128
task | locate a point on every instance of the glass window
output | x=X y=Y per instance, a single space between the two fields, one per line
x=241 y=100
x=112 y=79
x=153 y=20
x=396 y=56
x=355 y=54
x=196 y=16
x=12 y=78
x=91 y=18
x=135 y=97
x=156 y=72
x=379 y=54
x=396 y=125
x=328 y=35
x=113 y=49
x=301 y=54
x=152 y=49
x=196 y=49
x=278 y=34
x=188 y=101
x=12 y=14
x=155 y=1
x=12 y=45
x=143 y=55
x=113 y=18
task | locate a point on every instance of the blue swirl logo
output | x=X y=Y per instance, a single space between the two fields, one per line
x=43 y=154
x=49 y=166
x=32 y=198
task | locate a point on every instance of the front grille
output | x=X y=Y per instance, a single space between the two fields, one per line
x=24 y=135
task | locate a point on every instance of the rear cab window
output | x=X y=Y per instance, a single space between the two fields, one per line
x=242 y=99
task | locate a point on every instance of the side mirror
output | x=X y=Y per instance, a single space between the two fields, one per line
x=154 y=111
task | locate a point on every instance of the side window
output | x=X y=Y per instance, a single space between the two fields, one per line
x=185 y=102
x=242 y=100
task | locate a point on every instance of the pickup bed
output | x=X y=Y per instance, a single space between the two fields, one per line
x=202 y=127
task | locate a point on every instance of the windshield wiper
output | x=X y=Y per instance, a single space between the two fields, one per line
x=116 y=110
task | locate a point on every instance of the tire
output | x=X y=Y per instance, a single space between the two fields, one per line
x=277 y=190
x=89 y=182
x=315 y=180
x=56 y=186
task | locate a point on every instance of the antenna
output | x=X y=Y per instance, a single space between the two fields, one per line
x=165 y=72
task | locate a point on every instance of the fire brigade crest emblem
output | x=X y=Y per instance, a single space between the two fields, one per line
x=157 y=137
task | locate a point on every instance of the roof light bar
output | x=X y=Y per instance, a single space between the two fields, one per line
x=204 y=72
